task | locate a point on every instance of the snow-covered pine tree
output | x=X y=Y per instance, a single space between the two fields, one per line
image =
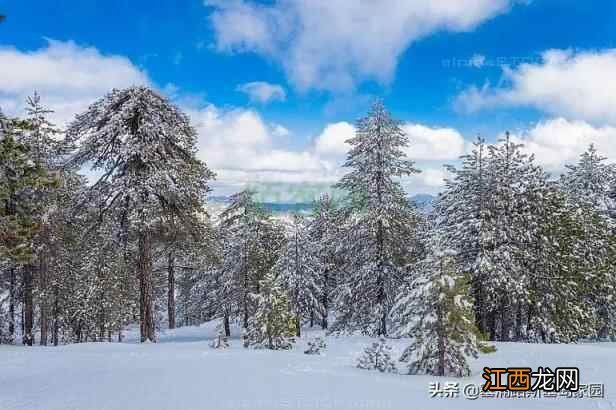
x=315 y=345
x=377 y=239
x=323 y=230
x=588 y=186
x=461 y=213
x=590 y=180
x=42 y=136
x=22 y=180
x=146 y=150
x=436 y=312
x=298 y=270
x=193 y=252
x=273 y=324
x=377 y=356
x=559 y=278
x=48 y=149
x=250 y=242
x=488 y=215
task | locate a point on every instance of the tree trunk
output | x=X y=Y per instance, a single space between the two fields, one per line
x=55 y=316
x=324 y=301
x=43 y=298
x=298 y=326
x=144 y=266
x=28 y=337
x=441 y=343
x=171 y=290
x=227 y=326
x=12 y=298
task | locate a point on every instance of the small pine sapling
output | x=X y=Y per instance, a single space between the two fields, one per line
x=437 y=314
x=377 y=356
x=315 y=345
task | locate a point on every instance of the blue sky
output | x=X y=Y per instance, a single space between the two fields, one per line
x=274 y=87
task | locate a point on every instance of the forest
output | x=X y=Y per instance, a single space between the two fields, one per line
x=508 y=252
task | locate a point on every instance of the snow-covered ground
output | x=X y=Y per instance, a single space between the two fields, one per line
x=183 y=373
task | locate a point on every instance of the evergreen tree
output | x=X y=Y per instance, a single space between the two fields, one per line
x=297 y=267
x=146 y=149
x=462 y=215
x=22 y=179
x=436 y=313
x=323 y=233
x=273 y=324
x=377 y=356
x=250 y=243
x=590 y=180
x=587 y=186
x=315 y=345
x=378 y=235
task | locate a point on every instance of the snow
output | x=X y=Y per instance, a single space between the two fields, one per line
x=182 y=372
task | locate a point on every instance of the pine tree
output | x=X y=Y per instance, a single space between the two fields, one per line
x=377 y=356
x=378 y=235
x=587 y=186
x=22 y=179
x=488 y=214
x=250 y=243
x=323 y=233
x=315 y=345
x=462 y=216
x=146 y=149
x=437 y=313
x=590 y=180
x=297 y=267
x=48 y=149
x=273 y=324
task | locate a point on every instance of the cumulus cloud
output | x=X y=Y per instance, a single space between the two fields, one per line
x=238 y=143
x=69 y=77
x=333 y=45
x=263 y=92
x=429 y=143
x=556 y=142
x=576 y=85
x=426 y=143
x=242 y=147
x=431 y=180
x=332 y=141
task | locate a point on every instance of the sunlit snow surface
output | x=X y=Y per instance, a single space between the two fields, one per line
x=183 y=373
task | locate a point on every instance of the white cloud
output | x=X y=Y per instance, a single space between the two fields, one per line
x=68 y=77
x=239 y=144
x=263 y=92
x=576 y=85
x=242 y=148
x=428 y=143
x=333 y=45
x=332 y=141
x=558 y=141
x=431 y=180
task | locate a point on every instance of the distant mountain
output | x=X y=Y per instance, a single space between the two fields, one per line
x=273 y=207
x=423 y=201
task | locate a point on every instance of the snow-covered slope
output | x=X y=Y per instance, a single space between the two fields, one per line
x=183 y=373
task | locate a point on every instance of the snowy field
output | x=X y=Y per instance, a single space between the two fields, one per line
x=183 y=373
